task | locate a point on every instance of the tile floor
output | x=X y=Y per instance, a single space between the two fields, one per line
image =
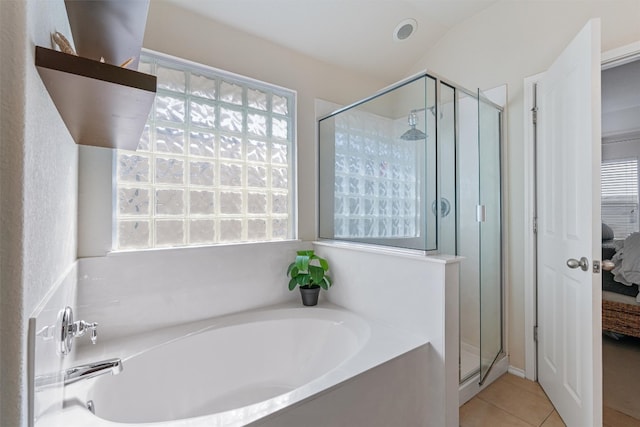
x=620 y=374
x=515 y=402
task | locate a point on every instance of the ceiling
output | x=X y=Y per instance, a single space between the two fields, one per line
x=355 y=34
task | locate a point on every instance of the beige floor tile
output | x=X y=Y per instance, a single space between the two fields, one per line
x=553 y=420
x=530 y=386
x=478 y=413
x=526 y=405
x=513 y=401
x=613 y=418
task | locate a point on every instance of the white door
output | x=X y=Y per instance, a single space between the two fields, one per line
x=568 y=207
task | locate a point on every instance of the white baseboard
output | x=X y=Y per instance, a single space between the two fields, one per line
x=471 y=387
x=516 y=371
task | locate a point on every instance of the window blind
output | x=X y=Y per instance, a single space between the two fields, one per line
x=620 y=196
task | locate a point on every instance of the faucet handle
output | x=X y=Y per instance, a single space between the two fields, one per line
x=94 y=332
x=81 y=327
x=67 y=330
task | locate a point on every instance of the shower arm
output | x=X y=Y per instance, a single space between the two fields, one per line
x=412 y=117
x=419 y=110
x=432 y=109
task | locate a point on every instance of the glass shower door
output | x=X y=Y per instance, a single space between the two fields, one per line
x=468 y=234
x=489 y=216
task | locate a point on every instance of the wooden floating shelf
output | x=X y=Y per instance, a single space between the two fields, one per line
x=101 y=104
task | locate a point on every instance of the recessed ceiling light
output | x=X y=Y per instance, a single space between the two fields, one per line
x=405 y=29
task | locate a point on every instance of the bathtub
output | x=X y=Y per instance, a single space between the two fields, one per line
x=231 y=371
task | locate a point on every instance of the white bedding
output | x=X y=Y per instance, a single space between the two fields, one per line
x=627 y=262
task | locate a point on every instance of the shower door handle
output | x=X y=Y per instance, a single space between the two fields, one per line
x=481 y=213
x=574 y=263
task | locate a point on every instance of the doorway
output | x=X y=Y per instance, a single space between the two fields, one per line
x=621 y=303
x=617 y=57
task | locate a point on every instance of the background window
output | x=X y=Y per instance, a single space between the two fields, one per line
x=214 y=164
x=620 y=196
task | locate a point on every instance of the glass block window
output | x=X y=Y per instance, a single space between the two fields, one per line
x=620 y=196
x=376 y=193
x=214 y=164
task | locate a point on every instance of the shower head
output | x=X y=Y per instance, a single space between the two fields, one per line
x=413 y=134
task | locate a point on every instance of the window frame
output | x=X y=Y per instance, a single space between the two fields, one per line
x=635 y=204
x=247 y=83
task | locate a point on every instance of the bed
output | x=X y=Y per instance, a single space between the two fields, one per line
x=620 y=306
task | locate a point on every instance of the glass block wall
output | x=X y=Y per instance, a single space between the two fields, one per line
x=375 y=178
x=214 y=164
x=377 y=168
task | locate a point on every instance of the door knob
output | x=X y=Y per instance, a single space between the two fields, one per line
x=574 y=263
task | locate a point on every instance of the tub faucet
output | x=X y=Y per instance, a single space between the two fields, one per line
x=79 y=373
x=91 y=370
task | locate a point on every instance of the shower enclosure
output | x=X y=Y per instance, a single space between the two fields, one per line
x=417 y=166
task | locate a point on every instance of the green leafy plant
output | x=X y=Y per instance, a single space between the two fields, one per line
x=309 y=271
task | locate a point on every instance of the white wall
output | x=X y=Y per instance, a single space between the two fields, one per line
x=414 y=293
x=136 y=292
x=502 y=45
x=38 y=190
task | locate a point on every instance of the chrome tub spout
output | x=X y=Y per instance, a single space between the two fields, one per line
x=79 y=373
x=91 y=370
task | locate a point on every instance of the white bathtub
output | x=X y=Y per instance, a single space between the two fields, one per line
x=231 y=371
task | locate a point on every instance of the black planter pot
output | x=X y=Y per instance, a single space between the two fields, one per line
x=310 y=294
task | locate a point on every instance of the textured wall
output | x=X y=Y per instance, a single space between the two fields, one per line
x=39 y=181
x=12 y=21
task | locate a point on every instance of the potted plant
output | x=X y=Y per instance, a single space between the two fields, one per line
x=309 y=272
